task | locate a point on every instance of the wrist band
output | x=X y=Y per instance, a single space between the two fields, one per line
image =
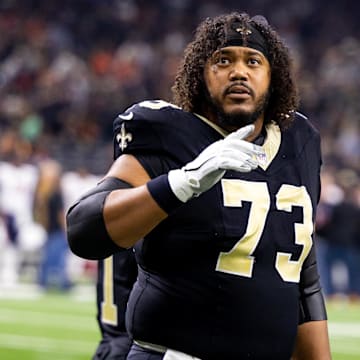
x=160 y=190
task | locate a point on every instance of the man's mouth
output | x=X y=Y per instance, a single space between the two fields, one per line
x=238 y=91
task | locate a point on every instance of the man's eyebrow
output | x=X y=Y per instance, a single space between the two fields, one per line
x=248 y=51
x=224 y=51
x=255 y=52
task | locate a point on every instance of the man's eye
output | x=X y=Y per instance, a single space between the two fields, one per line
x=223 y=61
x=254 y=61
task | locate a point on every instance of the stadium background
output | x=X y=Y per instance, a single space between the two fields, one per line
x=67 y=68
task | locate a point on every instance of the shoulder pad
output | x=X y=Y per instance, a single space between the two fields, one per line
x=302 y=135
x=303 y=123
x=299 y=114
x=140 y=127
x=149 y=110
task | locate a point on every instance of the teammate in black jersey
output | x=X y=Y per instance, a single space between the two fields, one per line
x=116 y=276
x=222 y=187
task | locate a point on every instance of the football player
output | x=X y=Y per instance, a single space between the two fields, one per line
x=116 y=276
x=222 y=188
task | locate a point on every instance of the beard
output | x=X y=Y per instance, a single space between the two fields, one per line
x=239 y=118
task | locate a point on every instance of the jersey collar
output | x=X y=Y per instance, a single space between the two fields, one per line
x=271 y=144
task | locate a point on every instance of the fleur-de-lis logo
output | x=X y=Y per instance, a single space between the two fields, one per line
x=123 y=138
x=243 y=30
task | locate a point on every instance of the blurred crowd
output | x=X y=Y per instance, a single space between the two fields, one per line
x=67 y=68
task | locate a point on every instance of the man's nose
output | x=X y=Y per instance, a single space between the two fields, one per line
x=239 y=71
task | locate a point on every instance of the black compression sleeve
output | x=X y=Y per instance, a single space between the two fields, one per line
x=312 y=304
x=85 y=226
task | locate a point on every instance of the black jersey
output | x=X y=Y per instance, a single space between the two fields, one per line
x=116 y=276
x=219 y=278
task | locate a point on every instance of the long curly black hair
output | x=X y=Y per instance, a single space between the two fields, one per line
x=189 y=86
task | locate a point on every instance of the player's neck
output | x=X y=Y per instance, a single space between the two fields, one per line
x=257 y=133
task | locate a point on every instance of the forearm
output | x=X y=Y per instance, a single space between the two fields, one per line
x=130 y=214
x=111 y=216
x=312 y=342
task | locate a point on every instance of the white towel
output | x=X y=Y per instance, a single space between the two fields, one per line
x=176 y=355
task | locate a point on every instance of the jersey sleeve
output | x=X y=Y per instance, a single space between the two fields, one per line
x=155 y=133
x=311 y=159
x=312 y=304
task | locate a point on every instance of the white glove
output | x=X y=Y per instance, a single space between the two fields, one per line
x=231 y=153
